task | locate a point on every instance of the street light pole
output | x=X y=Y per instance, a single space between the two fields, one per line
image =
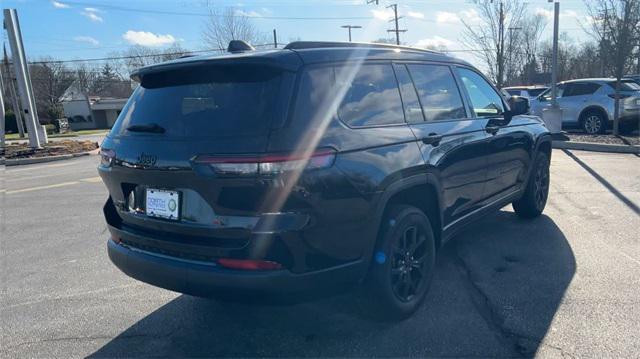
x=349 y=27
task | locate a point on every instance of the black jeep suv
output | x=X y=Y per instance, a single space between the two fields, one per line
x=315 y=166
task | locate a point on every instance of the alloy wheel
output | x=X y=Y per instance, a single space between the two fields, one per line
x=593 y=124
x=408 y=267
x=541 y=183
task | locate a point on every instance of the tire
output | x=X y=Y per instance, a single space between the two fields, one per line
x=593 y=123
x=393 y=289
x=535 y=196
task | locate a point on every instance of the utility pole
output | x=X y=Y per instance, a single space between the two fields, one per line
x=554 y=58
x=552 y=116
x=37 y=135
x=395 y=19
x=603 y=40
x=510 y=49
x=275 y=39
x=2 y=119
x=349 y=27
x=500 y=54
x=15 y=104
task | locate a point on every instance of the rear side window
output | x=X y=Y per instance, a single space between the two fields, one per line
x=513 y=92
x=484 y=99
x=580 y=89
x=626 y=85
x=536 y=92
x=438 y=92
x=204 y=102
x=371 y=98
x=412 y=108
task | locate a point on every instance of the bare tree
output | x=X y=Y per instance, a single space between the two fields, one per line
x=139 y=56
x=532 y=28
x=492 y=34
x=224 y=25
x=617 y=22
x=49 y=80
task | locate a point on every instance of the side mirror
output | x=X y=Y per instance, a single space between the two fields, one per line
x=519 y=106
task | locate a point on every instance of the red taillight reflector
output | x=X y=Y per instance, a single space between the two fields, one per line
x=248 y=264
x=268 y=164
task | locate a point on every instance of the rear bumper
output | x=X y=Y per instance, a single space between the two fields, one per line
x=208 y=279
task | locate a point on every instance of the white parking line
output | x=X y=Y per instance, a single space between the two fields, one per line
x=55 y=185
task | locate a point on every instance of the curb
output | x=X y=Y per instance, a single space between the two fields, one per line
x=599 y=147
x=29 y=161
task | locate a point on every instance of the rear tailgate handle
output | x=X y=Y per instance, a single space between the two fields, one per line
x=432 y=139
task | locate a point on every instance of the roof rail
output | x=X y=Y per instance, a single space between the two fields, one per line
x=300 y=45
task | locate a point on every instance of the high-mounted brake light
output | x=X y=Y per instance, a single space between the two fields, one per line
x=269 y=164
x=106 y=157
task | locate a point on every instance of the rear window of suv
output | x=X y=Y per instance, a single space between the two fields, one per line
x=208 y=101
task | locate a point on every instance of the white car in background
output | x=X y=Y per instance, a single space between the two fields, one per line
x=529 y=92
x=589 y=104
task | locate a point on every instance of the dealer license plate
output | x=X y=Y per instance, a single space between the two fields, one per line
x=163 y=204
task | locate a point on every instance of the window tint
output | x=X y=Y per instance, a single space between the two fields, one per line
x=484 y=99
x=204 y=102
x=626 y=85
x=513 y=92
x=412 y=109
x=372 y=98
x=580 y=89
x=438 y=92
x=536 y=92
x=314 y=96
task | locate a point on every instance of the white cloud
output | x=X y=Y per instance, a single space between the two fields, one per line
x=434 y=42
x=146 y=38
x=87 y=39
x=91 y=14
x=566 y=14
x=470 y=16
x=444 y=17
x=60 y=5
x=415 y=14
x=251 y=13
x=382 y=14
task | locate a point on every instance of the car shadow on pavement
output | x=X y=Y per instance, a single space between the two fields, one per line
x=497 y=287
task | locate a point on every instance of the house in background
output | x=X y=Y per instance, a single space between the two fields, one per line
x=86 y=112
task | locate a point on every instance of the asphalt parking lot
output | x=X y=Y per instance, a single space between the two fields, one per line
x=564 y=284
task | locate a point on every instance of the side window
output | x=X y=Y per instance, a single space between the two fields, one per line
x=581 y=89
x=438 y=92
x=514 y=92
x=315 y=94
x=412 y=109
x=546 y=95
x=372 y=98
x=484 y=99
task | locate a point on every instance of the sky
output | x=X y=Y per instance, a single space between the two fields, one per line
x=85 y=29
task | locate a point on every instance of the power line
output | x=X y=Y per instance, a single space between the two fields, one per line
x=180 y=13
x=136 y=56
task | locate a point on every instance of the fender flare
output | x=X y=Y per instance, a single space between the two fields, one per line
x=393 y=189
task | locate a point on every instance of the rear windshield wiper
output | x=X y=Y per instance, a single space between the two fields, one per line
x=146 y=127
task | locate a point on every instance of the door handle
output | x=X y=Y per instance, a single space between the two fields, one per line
x=432 y=139
x=492 y=129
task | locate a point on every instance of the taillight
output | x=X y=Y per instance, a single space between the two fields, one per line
x=269 y=164
x=248 y=264
x=106 y=157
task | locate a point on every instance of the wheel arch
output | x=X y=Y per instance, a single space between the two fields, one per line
x=593 y=108
x=420 y=191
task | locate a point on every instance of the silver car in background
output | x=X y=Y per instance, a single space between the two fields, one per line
x=589 y=104
x=530 y=92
